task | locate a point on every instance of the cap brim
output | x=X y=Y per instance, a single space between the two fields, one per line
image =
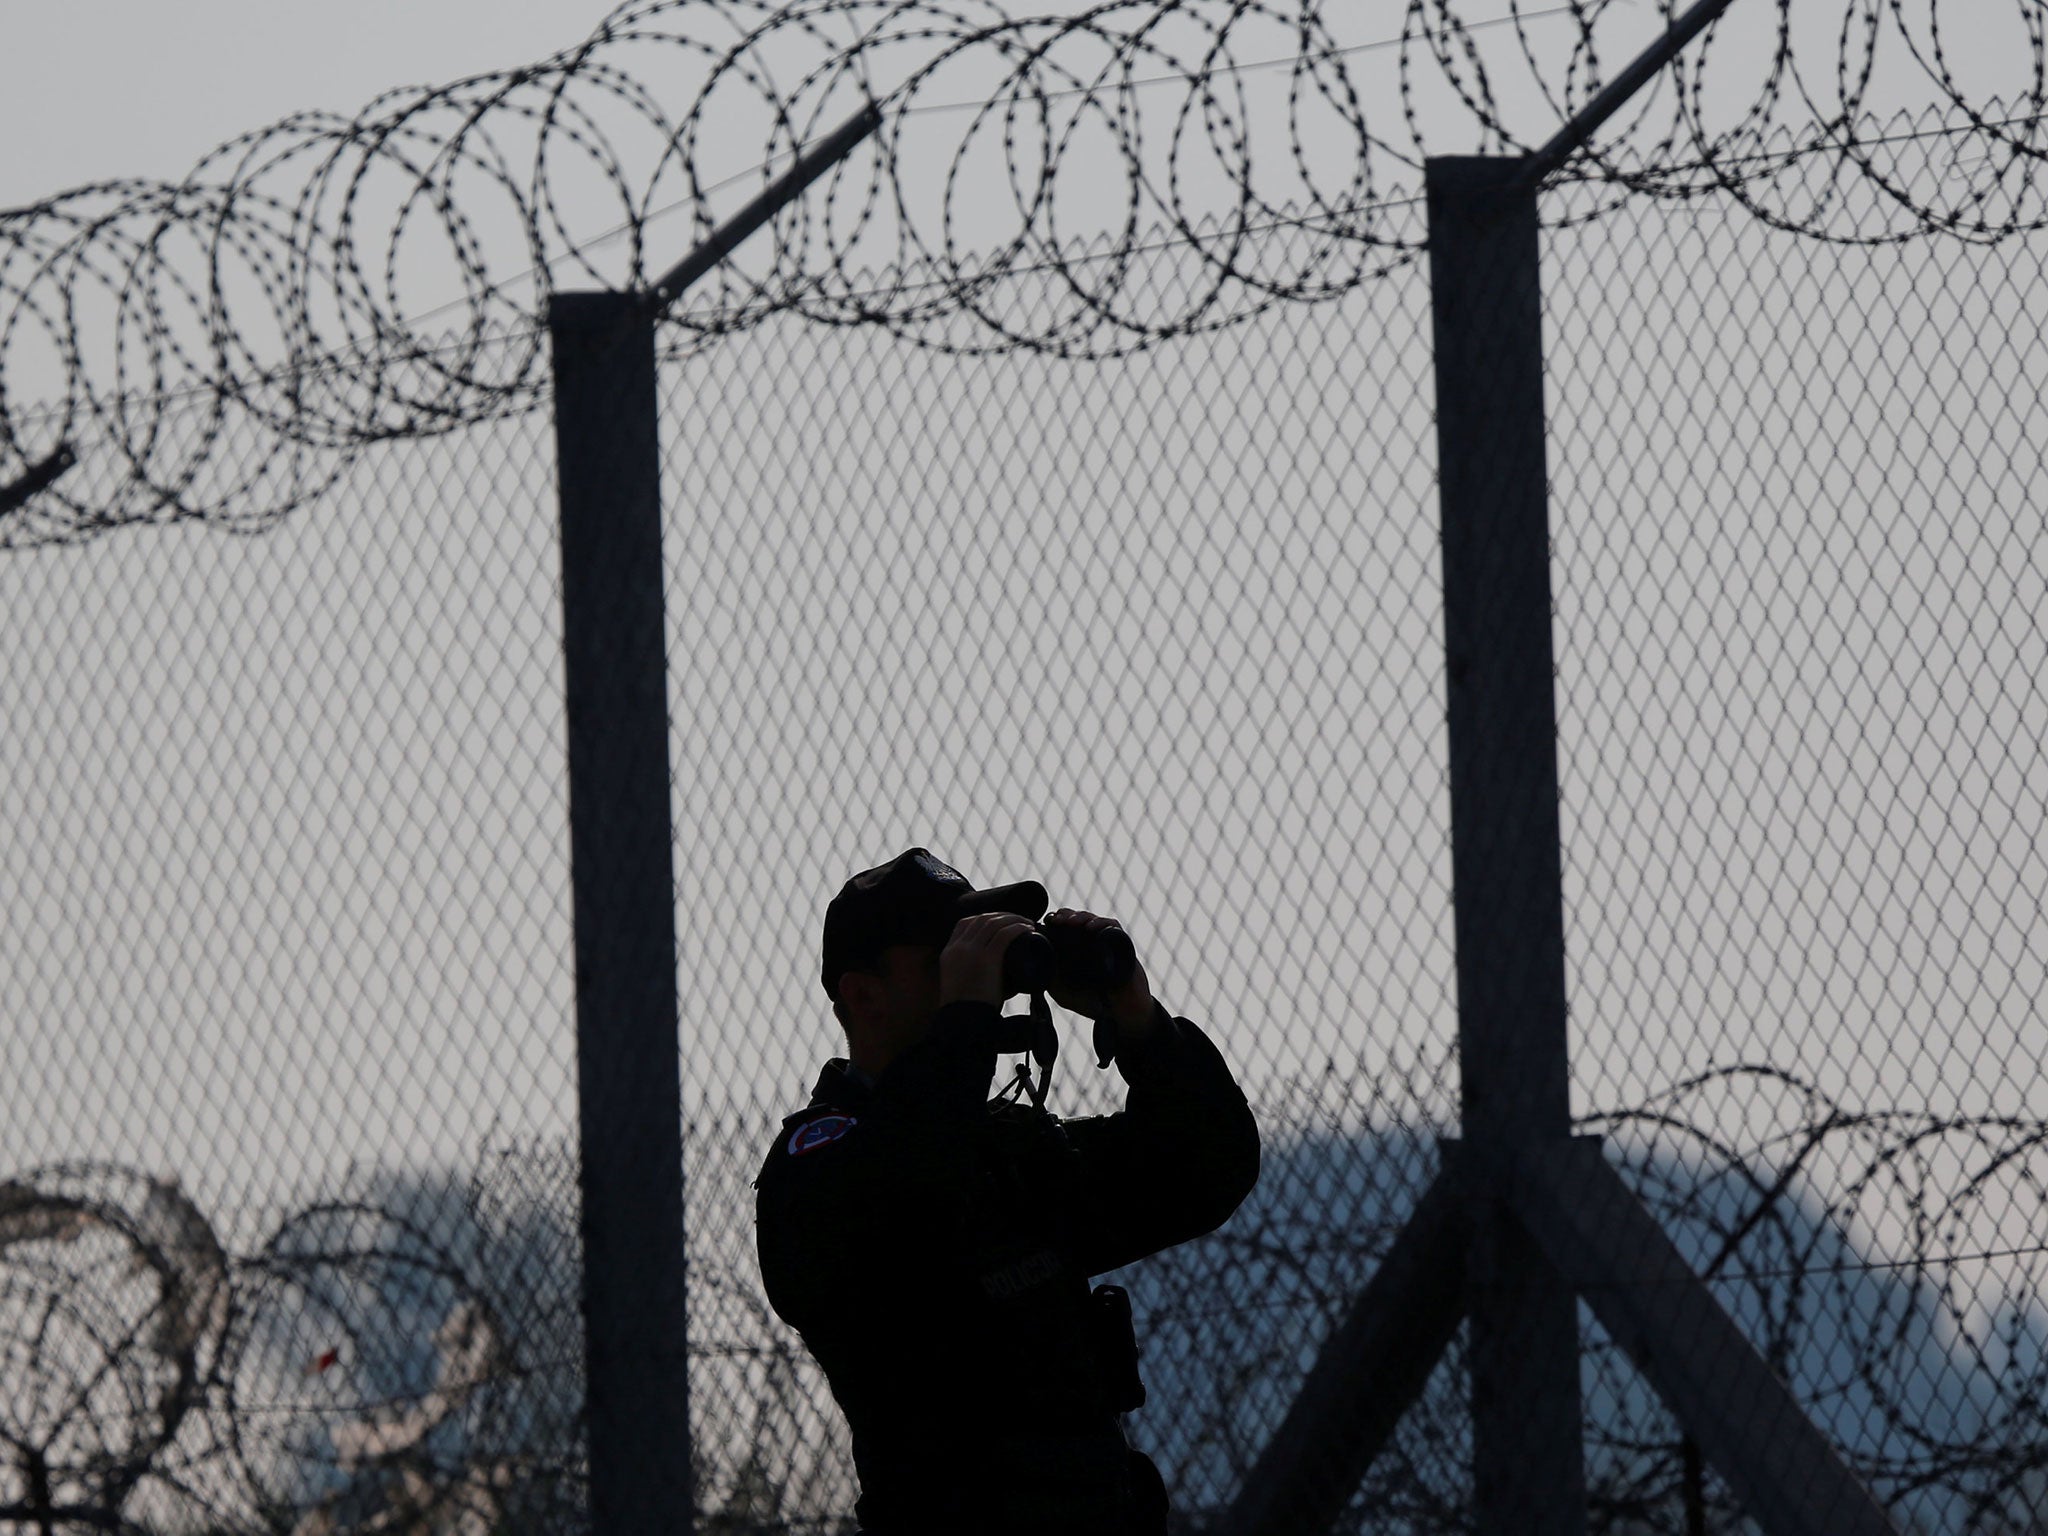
x=1026 y=898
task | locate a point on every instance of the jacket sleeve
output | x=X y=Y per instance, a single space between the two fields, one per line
x=1175 y=1162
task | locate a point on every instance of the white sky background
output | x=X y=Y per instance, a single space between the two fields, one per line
x=92 y=91
x=102 y=90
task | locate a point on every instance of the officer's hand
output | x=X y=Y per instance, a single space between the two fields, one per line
x=1128 y=1006
x=971 y=964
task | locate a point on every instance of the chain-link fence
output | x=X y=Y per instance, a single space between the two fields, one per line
x=288 y=1134
x=1797 y=502
x=288 y=1163
x=1165 y=631
x=1161 y=632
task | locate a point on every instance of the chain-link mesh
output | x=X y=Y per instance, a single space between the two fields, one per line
x=288 y=1202
x=1797 y=495
x=287 y=1141
x=1160 y=633
x=1164 y=632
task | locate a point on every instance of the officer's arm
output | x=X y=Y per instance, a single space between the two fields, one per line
x=1178 y=1159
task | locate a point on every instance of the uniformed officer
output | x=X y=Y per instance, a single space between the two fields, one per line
x=934 y=1246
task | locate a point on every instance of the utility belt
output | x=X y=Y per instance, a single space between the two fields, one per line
x=1114 y=1341
x=1089 y=1483
x=1035 y=1485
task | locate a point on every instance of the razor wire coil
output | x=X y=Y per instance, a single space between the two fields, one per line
x=356 y=1369
x=218 y=347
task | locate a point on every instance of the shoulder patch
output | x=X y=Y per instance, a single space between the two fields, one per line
x=821 y=1132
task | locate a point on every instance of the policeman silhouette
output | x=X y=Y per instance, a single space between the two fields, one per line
x=934 y=1246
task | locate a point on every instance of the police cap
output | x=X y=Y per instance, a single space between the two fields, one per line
x=912 y=899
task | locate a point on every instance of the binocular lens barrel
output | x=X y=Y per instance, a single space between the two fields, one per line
x=1066 y=958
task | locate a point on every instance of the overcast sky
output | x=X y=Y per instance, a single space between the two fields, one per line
x=94 y=90
x=97 y=89
x=102 y=89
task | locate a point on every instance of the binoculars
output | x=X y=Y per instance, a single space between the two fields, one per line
x=1063 y=958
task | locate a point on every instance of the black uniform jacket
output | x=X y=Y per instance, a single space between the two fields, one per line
x=934 y=1247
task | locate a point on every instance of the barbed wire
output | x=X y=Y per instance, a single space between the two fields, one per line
x=1833 y=1232
x=368 y=1367
x=355 y=1373
x=216 y=348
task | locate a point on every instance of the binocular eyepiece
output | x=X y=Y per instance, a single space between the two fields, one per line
x=1066 y=958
